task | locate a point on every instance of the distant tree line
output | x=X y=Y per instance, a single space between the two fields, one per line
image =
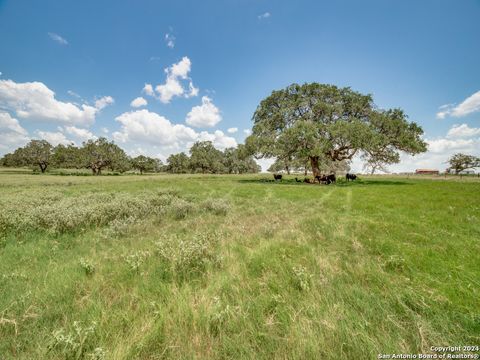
x=101 y=154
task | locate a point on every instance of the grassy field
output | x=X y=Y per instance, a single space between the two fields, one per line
x=160 y=266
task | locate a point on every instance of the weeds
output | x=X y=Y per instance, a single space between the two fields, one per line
x=302 y=278
x=87 y=266
x=56 y=214
x=181 y=208
x=216 y=206
x=76 y=343
x=136 y=259
x=190 y=256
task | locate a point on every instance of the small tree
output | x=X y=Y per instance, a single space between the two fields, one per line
x=460 y=162
x=178 y=163
x=205 y=158
x=238 y=161
x=144 y=163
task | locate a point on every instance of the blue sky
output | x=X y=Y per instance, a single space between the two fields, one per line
x=222 y=58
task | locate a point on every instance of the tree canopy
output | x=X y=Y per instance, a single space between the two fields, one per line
x=144 y=163
x=35 y=153
x=100 y=153
x=324 y=123
x=460 y=162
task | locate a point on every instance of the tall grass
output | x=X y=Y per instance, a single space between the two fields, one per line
x=216 y=267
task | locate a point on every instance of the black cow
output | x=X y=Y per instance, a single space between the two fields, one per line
x=277 y=177
x=331 y=179
x=352 y=177
x=326 y=179
x=296 y=179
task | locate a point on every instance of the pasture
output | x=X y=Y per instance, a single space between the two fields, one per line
x=191 y=266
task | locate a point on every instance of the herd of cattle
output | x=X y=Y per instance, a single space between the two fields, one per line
x=320 y=179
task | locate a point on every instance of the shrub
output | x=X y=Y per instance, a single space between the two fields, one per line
x=302 y=278
x=221 y=315
x=136 y=259
x=216 y=206
x=189 y=257
x=181 y=208
x=56 y=213
x=76 y=343
x=87 y=266
x=119 y=227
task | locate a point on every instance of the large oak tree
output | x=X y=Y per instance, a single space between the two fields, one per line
x=326 y=123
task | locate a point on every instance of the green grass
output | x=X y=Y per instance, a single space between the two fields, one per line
x=217 y=267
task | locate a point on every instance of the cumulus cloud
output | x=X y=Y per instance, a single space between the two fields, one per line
x=170 y=40
x=138 y=102
x=148 y=89
x=104 y=102
x=174 y=86
x=468 y=106
x=218 y=138
x=57 y=38
x=247 y=131
x=35 y=101
x=74 y=94
x=80 y=134
x=145 y=127
x=205 y=115
x=150 y=127
x=462 y=131
x=12 y=135
x=265 y=15
x=54 y=138
x=232 y=130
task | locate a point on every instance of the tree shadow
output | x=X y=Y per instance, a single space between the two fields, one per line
x=339 y=183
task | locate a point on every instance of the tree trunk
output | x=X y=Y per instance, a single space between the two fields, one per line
x=43 y=167
x=314 y=165
x=288 y=169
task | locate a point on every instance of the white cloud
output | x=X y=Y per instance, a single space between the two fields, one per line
x=218 y=138
x=74 y=94
x=104 y=130
x=148 y=89
x=57 y=38
x=247 y=132
x=146 y=126
x=177 y=74
x=103 y=102
x=12 y=135
x=205 y=115
x=170 y=40
x=468 y=106
x=54 y=138
x=462 y=131
x=80 y=134
x=35 y=101
x=138 y=102
x=142 y=126
x=265 y=15
x=232 y=130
